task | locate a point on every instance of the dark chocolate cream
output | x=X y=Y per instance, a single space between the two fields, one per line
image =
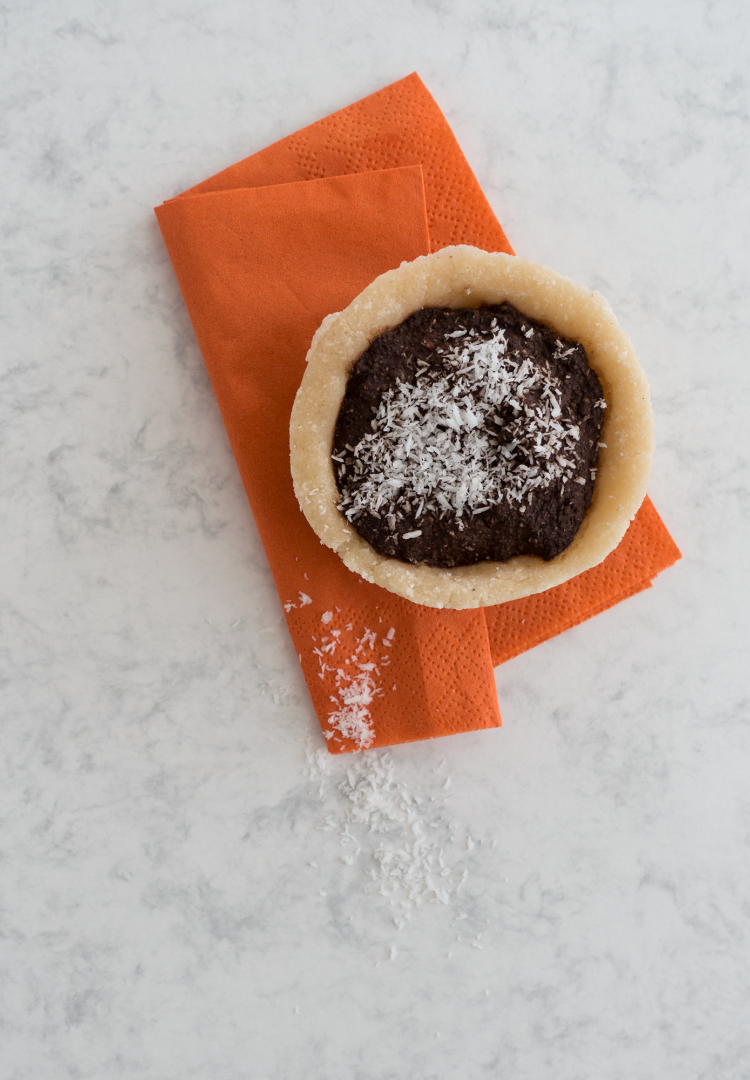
x=468 y=435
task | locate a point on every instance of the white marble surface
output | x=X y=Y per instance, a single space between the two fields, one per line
x=173 y=903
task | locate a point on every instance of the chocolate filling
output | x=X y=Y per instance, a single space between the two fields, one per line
x=468 y=435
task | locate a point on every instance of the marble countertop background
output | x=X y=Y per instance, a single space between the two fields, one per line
x=185 y=890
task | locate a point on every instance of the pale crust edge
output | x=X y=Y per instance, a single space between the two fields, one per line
x=462 y=277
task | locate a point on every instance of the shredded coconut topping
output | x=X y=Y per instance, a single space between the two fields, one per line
x=459 y=441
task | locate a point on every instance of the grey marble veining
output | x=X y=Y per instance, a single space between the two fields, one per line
x=184 y=893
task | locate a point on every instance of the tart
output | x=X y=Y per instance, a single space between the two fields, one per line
x=473 y=437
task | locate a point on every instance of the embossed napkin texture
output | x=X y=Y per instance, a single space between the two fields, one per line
x=262 y=252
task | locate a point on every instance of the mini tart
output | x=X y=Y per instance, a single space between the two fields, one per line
x=466 y=277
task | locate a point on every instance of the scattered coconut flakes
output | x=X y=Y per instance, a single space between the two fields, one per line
x=355 y=680
x=412 y=856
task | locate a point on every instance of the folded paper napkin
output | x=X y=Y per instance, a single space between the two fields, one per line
x=263 y=252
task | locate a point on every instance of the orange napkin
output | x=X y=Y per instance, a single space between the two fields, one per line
x=261 y=258
x=400 y=125
x=259 y=268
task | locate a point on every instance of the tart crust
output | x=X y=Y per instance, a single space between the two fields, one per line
x=466 y=277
